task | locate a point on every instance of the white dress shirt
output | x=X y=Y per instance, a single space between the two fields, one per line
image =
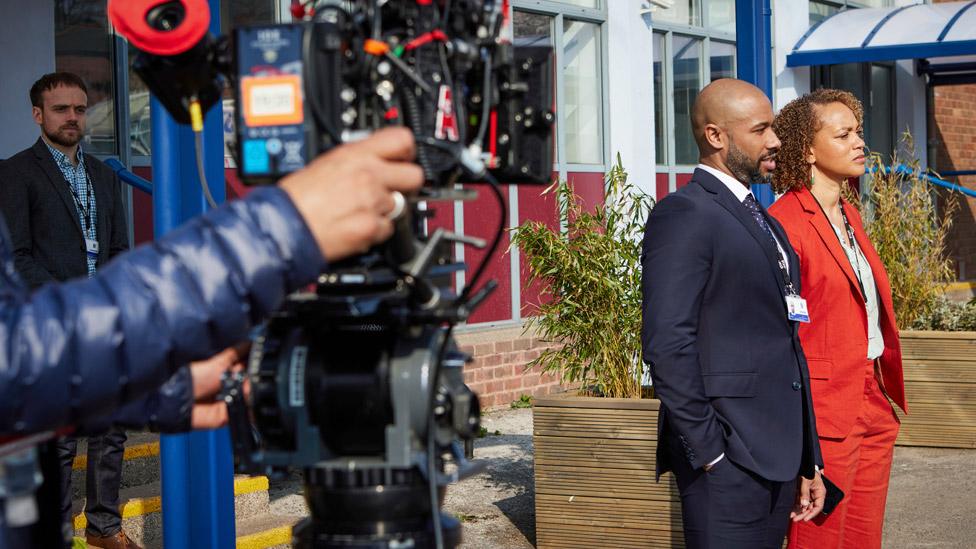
x=741 y=192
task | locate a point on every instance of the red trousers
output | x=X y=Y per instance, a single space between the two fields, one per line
x=860 y=465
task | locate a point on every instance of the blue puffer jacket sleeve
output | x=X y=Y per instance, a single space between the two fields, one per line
x=166 y=410
x=79 y=350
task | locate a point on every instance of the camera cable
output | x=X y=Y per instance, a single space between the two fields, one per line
x=503 y=220
x=196 y=122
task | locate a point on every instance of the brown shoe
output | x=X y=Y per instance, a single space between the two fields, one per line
x=116 y=541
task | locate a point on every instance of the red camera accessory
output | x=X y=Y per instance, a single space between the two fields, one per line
x=161 y=27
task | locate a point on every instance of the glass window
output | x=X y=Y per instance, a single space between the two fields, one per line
x=532 y=28
x=850 y=77
x=878 y=127
x=659 y=151
x=721 y=60
x=721 y=15
x=582 y=3
x=83 y=45
x=820 y=11
x=140 y=124
x=535 y=29
x=687 y=82
x=683 y=12
x=582 y=85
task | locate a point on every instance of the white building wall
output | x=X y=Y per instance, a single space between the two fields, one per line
x=790 y=83
x=26 y=28
x=631 y=92
x=790 y=23
x=911 y=107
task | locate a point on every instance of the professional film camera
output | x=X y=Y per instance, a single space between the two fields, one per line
x=359 y=382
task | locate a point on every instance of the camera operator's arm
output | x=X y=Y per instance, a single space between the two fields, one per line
x=353 y=217
x=187 y=400
x=78 y=350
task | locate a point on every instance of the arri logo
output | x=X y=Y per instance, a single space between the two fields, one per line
x=269 y=35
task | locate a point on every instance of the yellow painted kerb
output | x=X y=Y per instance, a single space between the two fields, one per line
x=133 y=452
x=144 y=506
x=268 y=538
x=961 y=286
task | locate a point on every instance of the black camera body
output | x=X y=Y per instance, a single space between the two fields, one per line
x=358 y=381
x=306 y=87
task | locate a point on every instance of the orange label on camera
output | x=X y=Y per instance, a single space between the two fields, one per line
x=272 y=100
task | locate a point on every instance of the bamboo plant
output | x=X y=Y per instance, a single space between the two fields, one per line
x=909 y=232
x=590 y=304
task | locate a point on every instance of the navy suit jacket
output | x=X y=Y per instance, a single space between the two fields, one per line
x=725 y=360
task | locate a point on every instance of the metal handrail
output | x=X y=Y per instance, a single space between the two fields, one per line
x=905 y=170
x=127 y=176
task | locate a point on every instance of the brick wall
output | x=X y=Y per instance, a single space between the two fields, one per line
x=498 y=371
x=953 y=139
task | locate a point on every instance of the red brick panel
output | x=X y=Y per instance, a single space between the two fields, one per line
x=142 y=209
x=954 y=109
x=589 y=187
x=661 y=185
x=481 y=217
x=233 y=185
x=534 y=206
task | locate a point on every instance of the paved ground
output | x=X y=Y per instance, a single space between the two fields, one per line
x=931 y=504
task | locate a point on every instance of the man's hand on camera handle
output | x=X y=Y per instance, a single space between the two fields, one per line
x=346 y=195
x=209 y=413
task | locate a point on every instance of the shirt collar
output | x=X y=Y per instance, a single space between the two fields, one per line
x=62 y=159
x=738 y=189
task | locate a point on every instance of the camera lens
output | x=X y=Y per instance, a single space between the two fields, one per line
x=166 y=16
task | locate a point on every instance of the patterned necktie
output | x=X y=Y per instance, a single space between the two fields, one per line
x=757 y=215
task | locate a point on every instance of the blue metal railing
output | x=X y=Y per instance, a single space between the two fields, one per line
x=957 y=173
x=905 y=170
x=128 y=177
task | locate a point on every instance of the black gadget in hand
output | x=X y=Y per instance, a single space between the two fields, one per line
x=833 y=497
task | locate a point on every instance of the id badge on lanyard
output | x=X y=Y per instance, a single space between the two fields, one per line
x=91 y=246
x=796 y=306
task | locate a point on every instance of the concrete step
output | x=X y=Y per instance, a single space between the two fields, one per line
x=265 y=532
x=257 y=532
x=142 y=505
x=140 y=463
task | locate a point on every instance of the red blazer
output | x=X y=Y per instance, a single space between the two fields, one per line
x=835 y=340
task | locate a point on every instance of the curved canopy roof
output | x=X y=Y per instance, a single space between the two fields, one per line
x=943 y=36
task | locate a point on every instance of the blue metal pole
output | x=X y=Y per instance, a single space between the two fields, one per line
x=753 y=37
x=197 y=468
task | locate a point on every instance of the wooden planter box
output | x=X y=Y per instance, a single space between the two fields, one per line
x=594 y=475
x=940 y=382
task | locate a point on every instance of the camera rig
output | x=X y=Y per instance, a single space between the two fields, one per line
x=359 y=382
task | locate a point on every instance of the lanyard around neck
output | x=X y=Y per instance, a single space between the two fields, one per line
x=856 y=265
x=88 y=219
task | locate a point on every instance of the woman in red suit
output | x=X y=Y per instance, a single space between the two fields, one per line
x=851 y=342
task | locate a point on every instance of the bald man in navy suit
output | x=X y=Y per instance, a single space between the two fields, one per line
x=736 y=424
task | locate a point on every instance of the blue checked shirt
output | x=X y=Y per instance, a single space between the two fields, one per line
x=77 y=179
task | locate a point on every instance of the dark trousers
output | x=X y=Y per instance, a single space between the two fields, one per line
x=102 y=480
x=731 y=508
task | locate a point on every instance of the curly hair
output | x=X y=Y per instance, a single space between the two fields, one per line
x=795 y=125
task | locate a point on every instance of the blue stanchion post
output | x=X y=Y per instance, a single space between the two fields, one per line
x=753 y=38
x=197 y=468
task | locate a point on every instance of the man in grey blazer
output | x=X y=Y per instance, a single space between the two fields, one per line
x=66 y=219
